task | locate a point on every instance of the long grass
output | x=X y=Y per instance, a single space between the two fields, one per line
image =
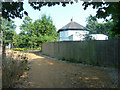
x=13 y=69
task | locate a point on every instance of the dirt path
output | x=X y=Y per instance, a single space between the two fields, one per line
x=48 y=73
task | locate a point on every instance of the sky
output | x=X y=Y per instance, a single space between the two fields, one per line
x=59 y=14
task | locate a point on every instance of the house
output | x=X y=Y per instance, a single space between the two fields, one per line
x=99 y=37
x=72 y=32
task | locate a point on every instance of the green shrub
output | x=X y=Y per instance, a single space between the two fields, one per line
x=19 y=49
x=26 y=49
x=39 y=48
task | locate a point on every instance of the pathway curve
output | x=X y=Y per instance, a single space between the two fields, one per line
x=49 y=73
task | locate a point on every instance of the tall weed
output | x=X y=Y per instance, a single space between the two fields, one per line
x=13 y=69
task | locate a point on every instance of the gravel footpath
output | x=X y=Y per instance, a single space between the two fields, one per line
x=47 y=72
x=113 y=72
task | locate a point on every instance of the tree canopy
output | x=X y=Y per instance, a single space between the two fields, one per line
x=34 y=33
x=8 y=28
x=15 y=9
x=107 y=9
x=99 y=28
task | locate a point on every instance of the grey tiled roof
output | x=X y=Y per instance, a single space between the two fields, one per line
x=72 y=26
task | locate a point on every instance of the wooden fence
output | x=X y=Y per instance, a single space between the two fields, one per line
x=95 y=52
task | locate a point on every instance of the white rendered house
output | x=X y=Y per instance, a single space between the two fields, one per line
x=99 y=37
x=72 y=32
x=76 y=32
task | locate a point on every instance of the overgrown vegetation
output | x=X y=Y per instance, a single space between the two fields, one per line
x=13 y=68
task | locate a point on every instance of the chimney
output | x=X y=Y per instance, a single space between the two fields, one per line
x=72 y=19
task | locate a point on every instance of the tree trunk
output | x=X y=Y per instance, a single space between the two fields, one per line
x=3 y=51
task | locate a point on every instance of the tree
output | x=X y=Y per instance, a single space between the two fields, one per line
x=15 y=9
x=99 y=28
x=46 y=29
x=91 y=23
x=26 y=32
x=8 y=28
x=34 y=33
x=44 y=26
x=12 y=10
x=16 y=40
x=107 y=9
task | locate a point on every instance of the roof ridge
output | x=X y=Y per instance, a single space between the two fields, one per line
x=73 y=25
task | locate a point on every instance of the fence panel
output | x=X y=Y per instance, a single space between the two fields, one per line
x=96 y=52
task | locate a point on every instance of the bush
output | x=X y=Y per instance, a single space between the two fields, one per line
x=19 y=49
x=39 y=48
x=25 y=49
x=12 y=70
